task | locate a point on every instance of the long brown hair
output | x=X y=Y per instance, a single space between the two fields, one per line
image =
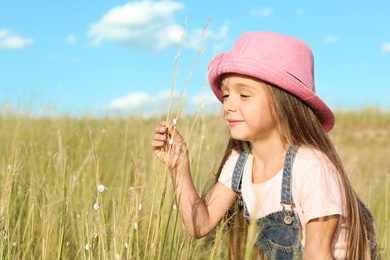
x=298 y=125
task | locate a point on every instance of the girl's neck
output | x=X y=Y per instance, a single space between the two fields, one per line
x=268 y=159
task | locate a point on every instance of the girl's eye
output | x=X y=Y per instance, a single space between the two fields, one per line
x=225 y=96
x=244 y=96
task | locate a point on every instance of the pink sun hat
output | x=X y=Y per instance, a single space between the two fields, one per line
x=281 y=60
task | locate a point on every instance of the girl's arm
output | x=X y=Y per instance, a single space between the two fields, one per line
x=319 y=236
x=199 y=217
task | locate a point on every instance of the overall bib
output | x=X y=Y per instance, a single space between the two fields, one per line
x=279 y=232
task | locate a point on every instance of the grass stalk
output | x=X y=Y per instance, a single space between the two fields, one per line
x=101 y=236
x=64 y=208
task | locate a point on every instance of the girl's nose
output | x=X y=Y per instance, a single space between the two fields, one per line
x=228 y=106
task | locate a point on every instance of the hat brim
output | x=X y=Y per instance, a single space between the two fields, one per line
x=241 y=64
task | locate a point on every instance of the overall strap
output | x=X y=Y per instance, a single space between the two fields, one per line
x=238 y=171
x=286 y=182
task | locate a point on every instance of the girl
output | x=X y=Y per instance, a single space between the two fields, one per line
x=279 y=158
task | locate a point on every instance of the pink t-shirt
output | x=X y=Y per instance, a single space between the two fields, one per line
x=315 y=190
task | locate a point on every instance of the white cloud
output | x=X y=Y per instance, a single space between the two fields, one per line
x=165 y=94
x=329 y=39
x=146 y=26
x=386 y=47
x=71 y=39
x=133 y=100
x=263 y=12
x=142 y=102
x=8 y=40
x=139 y=25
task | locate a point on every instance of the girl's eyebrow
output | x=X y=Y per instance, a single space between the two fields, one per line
x=242 y=85
x=238 y=85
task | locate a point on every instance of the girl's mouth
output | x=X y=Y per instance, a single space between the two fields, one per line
x=232 y=123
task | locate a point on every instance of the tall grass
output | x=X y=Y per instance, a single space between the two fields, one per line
x=50 y=205
x=50 y=169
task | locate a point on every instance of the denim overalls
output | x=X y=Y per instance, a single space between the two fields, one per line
x=279 y=232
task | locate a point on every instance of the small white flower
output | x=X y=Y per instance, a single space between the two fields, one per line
x=152 y=245
x=171 y=141
x=131 y=188
x=174 y=121
x=135 y=225
x=126 y=245
x=117 y=256
x=67 y=243
x=87 y=247
x=140 y=207
x=9 y=167
x=101 y=188
x=96 y=206
x=95 y=239
x=174 y=207
x=78 y=216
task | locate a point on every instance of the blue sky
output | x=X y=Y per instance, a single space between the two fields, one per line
x=100 y=57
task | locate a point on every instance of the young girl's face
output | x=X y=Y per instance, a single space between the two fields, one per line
x=246 y=108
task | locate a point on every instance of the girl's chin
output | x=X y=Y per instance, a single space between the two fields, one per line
x=238 y=137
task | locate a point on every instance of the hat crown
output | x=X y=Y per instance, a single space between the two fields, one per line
x=280 y=52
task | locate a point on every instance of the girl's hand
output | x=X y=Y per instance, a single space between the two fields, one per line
x=168 y=145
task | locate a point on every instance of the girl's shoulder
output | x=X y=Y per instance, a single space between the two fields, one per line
x=311 y=155
x=310 y=159
x=233 y=157
x=231 y=160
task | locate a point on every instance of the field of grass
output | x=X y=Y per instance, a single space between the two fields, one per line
x=92 y=188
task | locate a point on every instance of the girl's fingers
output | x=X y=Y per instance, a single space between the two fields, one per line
x=174 y=134
x=158 y=142
x=164 y=128
x=166 y=135
x=170 y=129
x=161 y=130
x=160 y=137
